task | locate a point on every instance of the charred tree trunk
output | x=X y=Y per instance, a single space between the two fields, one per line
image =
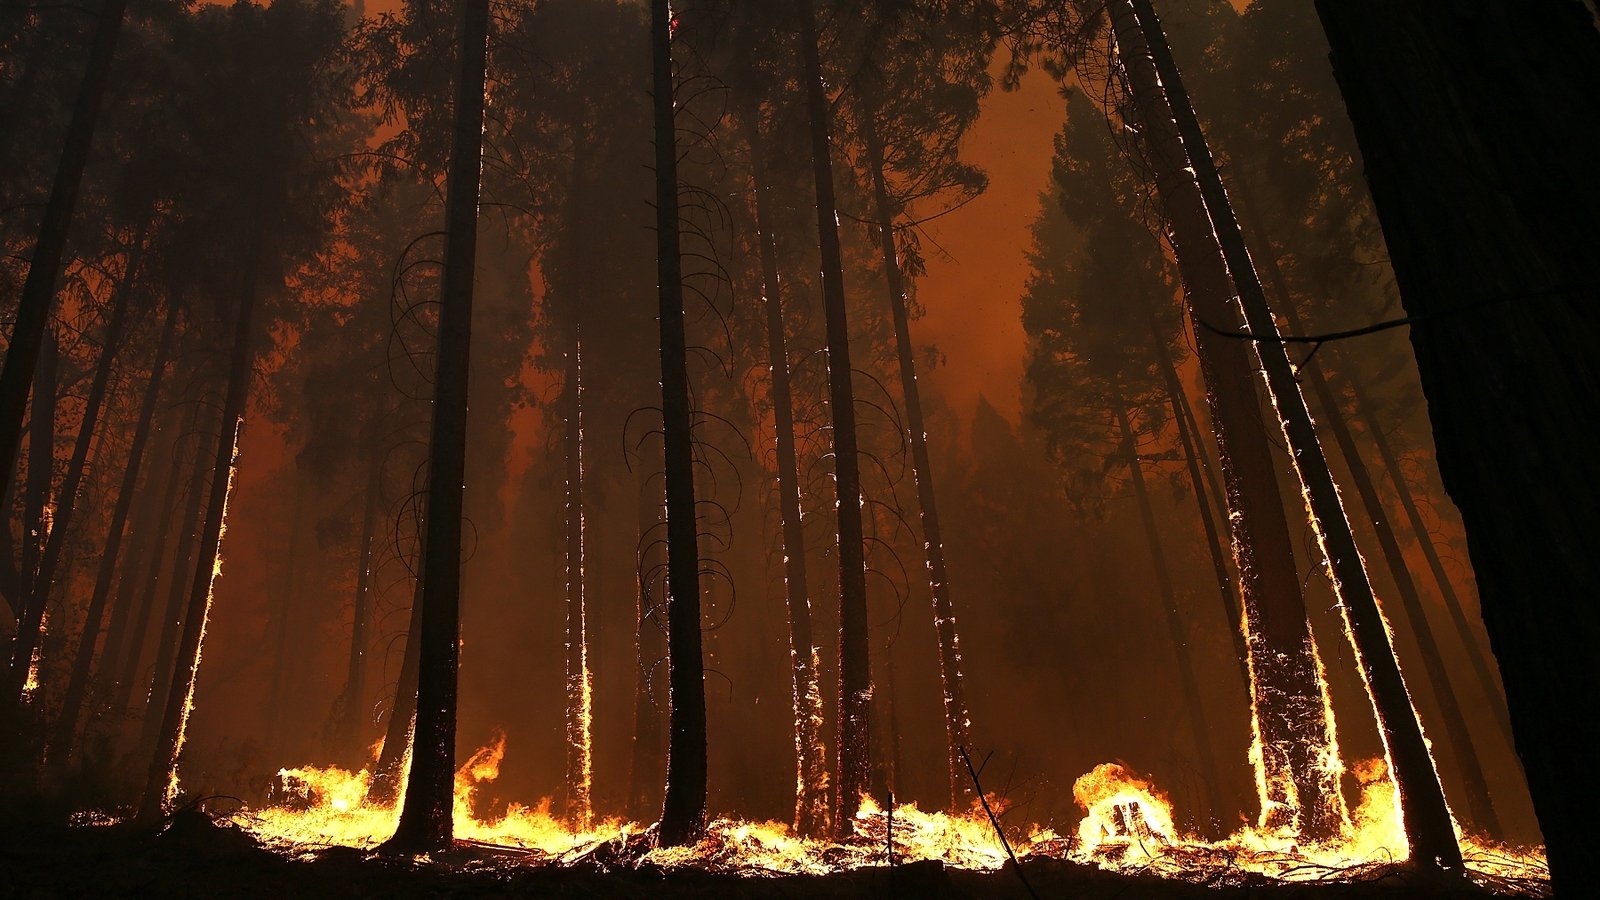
x=389 y=774
x=425 y=818
x=39 y=289
x=811 y=798
x=1292 y=729
x=853 y=769
x=944 y=618
x=1487 y=682
x=162 y=779
x=352 y=700
x=1194 y=707
x=683 y=813
x=579 y=760
x=78 y=684
x=1423 y=811
x=1471 y=121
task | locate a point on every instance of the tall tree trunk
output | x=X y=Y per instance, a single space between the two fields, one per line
x=853 y=769
x=78 y=683
x=162 y=780
x=36 y=594
x=1473 y=124
x=1182 y=418
x=36 y=531
x=683 y=811
x=186 y=563
x=579 y=758
x=353 y=699
x=956 y=720
x=1487 y=681
x=44 y=269
x=1293 y=733
x=388 y=776
x=1423 y=811
x=425 y=818
x=1176 y=630
x=646 y=770
x=1474 y=785
x=811 y=798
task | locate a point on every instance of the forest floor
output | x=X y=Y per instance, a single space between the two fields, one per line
x=197 y=856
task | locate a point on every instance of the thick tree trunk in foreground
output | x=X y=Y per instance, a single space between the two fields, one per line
x=78 y=683
x=162 y=779
x=1194 y=706
x=683 y=813
x=579 y=758
x=811 y=796
x=44 y=269
x=1423 y=811
x=1473 y=121
x=956 y=721
x=388 y=775
x=1293 y=731
x=425 y=819
x=853 y=770
x=353 y=699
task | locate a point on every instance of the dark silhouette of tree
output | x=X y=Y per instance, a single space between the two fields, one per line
x=1466 y=120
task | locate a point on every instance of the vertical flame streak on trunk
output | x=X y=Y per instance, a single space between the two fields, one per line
x=579 y=686
x=205 y=614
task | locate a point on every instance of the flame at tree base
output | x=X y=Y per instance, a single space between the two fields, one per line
x=1129 y=827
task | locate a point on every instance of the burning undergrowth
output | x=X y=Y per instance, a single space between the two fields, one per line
x=1128 y=827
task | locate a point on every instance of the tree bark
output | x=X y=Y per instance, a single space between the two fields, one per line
x=1293 y=732
x=78 y=683
x=853 y=770
x=646 y=770
x=39 y=289
x=388 y=776
x=683 y=813
x=425 y=818
x=1473 y=124
x=811 y=798
x=579 y=759
x=1423 y=811
x=162 y=780
x=956 y=722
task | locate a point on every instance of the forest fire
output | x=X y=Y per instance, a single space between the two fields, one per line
x=734 y=419
x=1128 y=826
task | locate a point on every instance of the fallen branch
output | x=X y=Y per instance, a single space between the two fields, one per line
x=978 y=789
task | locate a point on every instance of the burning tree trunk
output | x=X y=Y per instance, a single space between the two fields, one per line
x=1293 y=733
x=811 y=785
x=683 y=811
x=425 y=819
x=38 y=291
x=853 y=769
x=1474 y=785
x=36 y=531
x=77 y=685
x=1458 y=617
x=579 y=759
x=944 y=618
x=1470 y=121
x=162 y=780
x=388 y=774
x=352 y=700
x=1425 y=816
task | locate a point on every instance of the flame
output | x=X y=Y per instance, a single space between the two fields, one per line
x=1129 y=825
